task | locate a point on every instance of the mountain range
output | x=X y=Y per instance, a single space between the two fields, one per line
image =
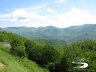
x=69 y=34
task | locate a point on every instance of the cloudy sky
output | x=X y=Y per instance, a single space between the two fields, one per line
x=58 y=13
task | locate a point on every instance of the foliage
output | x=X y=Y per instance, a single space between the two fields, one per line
x=56 y=59
x=14 y=63
x=17 y=48
x=62 y=66
x=29 y=45
x=49 y=55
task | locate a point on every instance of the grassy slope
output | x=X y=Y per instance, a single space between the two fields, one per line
x=15 y=64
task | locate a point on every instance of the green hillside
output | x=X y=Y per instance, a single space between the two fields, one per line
x=13 y=63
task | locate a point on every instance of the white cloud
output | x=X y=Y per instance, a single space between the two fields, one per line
x=29 y=17
x=50 y=10
x=19 y=13
x=73 y=17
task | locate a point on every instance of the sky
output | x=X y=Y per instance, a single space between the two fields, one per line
x=37 y=13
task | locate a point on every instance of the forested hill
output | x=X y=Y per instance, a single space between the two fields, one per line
x=24 y=55
x=66 y=34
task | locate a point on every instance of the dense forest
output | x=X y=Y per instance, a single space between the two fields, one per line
x=56 y=57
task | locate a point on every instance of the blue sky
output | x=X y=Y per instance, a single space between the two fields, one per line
x=58 y=13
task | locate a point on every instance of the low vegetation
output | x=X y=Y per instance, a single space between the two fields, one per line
x=46 y=56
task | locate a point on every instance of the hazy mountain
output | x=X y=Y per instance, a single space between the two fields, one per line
x=65 y=34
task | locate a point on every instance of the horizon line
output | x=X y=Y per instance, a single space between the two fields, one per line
x=45 y=26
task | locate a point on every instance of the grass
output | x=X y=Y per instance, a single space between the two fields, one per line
x=15 y=64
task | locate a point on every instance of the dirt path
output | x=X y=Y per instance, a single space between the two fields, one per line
x=1 y=66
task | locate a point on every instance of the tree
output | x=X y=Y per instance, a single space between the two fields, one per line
x=49 y=55
x=62 y=66
x=33 y=51
x=17 y=47
x=36 y=54
x=29 y=45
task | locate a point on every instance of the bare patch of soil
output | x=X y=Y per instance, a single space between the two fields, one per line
x=1 y=66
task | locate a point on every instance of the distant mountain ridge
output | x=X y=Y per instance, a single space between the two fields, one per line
x=86 y=31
